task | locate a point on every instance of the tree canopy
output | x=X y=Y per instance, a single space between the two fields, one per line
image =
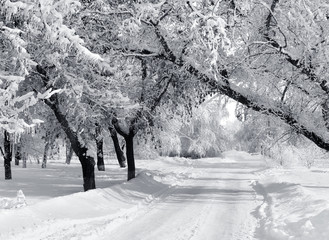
x=130 y=64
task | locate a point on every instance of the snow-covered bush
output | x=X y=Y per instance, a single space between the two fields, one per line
x=18 y=202
x=279 y=143
x=201 y=135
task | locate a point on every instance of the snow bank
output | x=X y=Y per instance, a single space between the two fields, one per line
x=290 y=211
x=8 y=203
x=116 y=205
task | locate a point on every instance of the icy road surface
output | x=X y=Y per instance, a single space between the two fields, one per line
x=170 y=199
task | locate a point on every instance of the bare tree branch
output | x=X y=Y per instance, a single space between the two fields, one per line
x=171 y=56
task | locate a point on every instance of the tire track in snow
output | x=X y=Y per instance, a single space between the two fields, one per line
x=195 y=227
x=214 y=205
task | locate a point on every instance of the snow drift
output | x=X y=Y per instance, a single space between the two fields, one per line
x=19 y=201
x=290 y=211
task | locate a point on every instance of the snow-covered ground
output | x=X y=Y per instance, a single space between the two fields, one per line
x=296 y=203
x=234 y=197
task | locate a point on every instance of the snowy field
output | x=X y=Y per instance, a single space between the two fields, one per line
x=236 y=197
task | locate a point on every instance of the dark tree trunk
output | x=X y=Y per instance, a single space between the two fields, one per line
x=99 y=145
x=88 y=171
x=7 y=155
x=18 y=153
x=87 y=162
x=129 y=138
x=118 y=151
x=45 y=155
x=130 y=155
x=69 y=153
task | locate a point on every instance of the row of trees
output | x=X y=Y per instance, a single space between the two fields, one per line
x=126 y=66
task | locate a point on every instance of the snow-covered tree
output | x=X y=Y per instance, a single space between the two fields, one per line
x=200 y=134
x=55 y=51
x=121 y=63
x=267 y=55
x=15 y=64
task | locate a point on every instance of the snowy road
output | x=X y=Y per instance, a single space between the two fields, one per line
x=199 y=199
x=215 y=204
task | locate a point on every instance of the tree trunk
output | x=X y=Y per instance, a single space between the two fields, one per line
x=118 y=151
x=99 y=145
x=130 y=155
x=129 y=138
x=80 y=150
x=87 y=162
x=24 y=159
x=69 y=153
x=7 y=155
x=18 y=154
x=88 y=171
x=45 y=155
